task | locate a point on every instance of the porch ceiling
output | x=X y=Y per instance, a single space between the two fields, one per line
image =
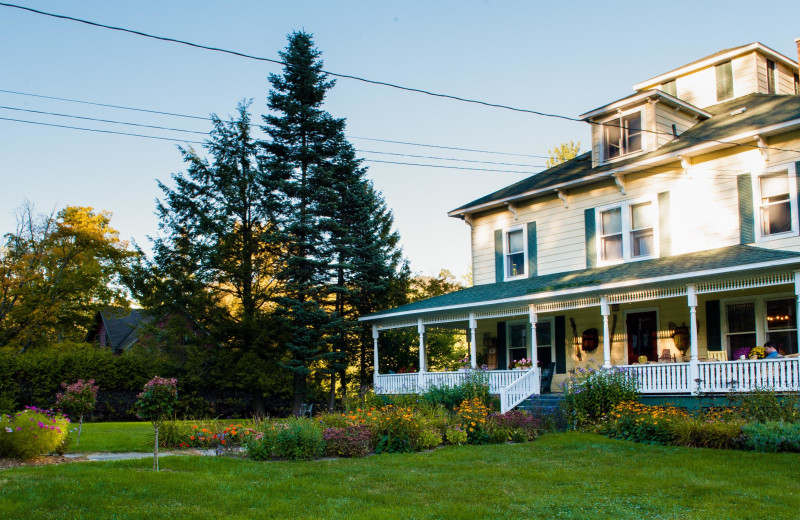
x=646 y=279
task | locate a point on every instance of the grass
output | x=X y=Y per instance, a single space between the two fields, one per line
x=559 y=476
x=115 y=437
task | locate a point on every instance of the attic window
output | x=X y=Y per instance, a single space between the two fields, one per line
x=771 y=72
x=724 y=73
x=797 y=85
x=622 y=135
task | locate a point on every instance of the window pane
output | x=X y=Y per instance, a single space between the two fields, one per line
x=516 y=264
x=781 y=314
x=741 y=317
x=515 y=354
x=517 y=334
x=633 y=129
x=770 y=77
x=724 y=81
x=776 y=216
x=642 y=243
x=611 y=221
x=515 y=242
x=613 y=138
x=786 y=341
x=543 y=337
x=670 y=87
x=773 y=185
x=612 y=247
x=642 y=216
x=740 y=344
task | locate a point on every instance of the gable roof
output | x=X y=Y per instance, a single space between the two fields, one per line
x=122 y=326
x=688 y=266
x=638 y=98
x=727 y=121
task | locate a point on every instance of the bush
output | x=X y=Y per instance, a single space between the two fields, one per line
x=519 y=435
x=476 y=386
x=496 y=435
x=32 y=432
x=632 y=421
x=472 y=415
x=350 y=441
x=429 y=438
x=771 y=436
x=700 y=432
x=764 y=405
x=518 y=421
x=591 y=393
x=456 y=435
x=298 y=439
x=396 y=429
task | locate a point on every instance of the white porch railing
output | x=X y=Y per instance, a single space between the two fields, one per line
x=410 y=383
x=658 y=378
x=781 y=375
x=519 y=390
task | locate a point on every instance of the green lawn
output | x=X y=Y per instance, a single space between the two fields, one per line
x=559 y=476
x=114 y=437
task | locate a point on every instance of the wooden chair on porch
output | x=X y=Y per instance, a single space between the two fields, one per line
x=547 y=378
x=718 y=355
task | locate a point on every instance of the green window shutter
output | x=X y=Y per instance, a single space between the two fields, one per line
x=747 y=229
x=664 y=224
x=591 y=229
x=561 y=344
x=532 y=262
x=502 y=364
x=498 y=255
x=713 y=328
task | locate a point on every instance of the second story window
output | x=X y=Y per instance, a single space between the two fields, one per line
x=771 y=73
x=627 y=231
x=724 y=72
x=515 y=253
x=622 y=135
x=776 y=210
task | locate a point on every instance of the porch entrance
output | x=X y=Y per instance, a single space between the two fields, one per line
x=642 y=332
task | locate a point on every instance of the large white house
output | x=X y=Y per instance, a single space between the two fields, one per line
x=678 y=231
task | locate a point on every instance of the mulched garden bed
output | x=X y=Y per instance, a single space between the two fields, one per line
x=38 y=461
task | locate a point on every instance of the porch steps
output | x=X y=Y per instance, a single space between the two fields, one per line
x=541 y=405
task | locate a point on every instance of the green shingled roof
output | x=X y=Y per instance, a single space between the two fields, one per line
x=722 y=258
x=761 y=110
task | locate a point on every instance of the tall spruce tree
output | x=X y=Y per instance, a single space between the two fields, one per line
x=213 y=261
x=338 y=249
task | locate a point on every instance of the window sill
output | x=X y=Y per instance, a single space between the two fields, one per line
x=513 y=278
x=606 y=263
x=621 y=157
x=776 y=236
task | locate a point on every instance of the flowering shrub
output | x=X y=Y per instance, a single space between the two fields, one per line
x=79 y=398
x=591 y=393
x=472 y=415
x=155 y=403
x=395 y=430
x=350 y=441
x=637 y=422
x=523 y=426
x=32 y=432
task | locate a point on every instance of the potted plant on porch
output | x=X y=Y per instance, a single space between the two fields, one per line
x=521 y=364
x=464 y=364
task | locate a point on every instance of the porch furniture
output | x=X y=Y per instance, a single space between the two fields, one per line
x=718 y=355
x=547 y=377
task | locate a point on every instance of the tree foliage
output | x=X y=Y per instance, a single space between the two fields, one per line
x=563 y=153
x=56 y=271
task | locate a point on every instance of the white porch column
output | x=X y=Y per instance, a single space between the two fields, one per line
x=694 y=365
x=534 y=318
x=797 y=295
x=375 y=347
x=473 y=342
x=605 y=310
x=422 y=367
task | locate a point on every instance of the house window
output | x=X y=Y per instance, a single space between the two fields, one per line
x=545 y=346
x=670 y=87
x=781 y=324
x=724 y=73
x=517 y=341
x=758 y=320
x=797 y=85
x=622 y=135
x=627 y=231
x=741 y=334
x=515 y=254
x=771 y=70
x=776 y=206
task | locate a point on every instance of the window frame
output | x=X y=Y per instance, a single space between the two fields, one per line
x=506 y=231
x=760 y=309
x=620 y=115
x=528 y=337
x=717 y=68
x=772 y=77
x=757 y=204
x=627 y=230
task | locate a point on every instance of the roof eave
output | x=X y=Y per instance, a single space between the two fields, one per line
x=640 y=97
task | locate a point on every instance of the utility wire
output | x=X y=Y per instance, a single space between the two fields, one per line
x=254 y=125
x=111 y=121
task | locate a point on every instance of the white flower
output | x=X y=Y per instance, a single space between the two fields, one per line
x=9 y=430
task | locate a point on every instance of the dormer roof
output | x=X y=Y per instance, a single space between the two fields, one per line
x=714 y=59
x=639 y=98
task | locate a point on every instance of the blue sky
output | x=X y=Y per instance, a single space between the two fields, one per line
x=558 y=57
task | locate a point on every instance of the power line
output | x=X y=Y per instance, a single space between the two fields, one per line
x=449 y=158
x=280 y=62
x=254 y=125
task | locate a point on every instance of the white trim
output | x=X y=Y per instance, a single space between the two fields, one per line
x=789 y=167
x=525 y=267
x=707 y=62
x=620 y=115
x=638 y=98
x=594 y=288
x=700 y=149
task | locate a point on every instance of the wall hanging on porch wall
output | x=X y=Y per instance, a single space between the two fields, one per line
x=680 y=335
x=575 y=340
x=589 y=341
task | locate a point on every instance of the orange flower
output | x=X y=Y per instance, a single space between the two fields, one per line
x=191 y=438
x=194 y=426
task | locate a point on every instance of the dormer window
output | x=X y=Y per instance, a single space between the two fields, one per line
x=622 y=135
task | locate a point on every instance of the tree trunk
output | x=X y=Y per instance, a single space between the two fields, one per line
x=155 y=448
x=299 y=393
x=332 y=393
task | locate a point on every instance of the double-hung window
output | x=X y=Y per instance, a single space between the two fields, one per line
x=724 y=73
x=622 y=135
x=515 y=253
x=627 y=231
x=776 y=200
x=754 y=321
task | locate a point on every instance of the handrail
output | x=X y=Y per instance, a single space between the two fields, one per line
x=522 y=388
